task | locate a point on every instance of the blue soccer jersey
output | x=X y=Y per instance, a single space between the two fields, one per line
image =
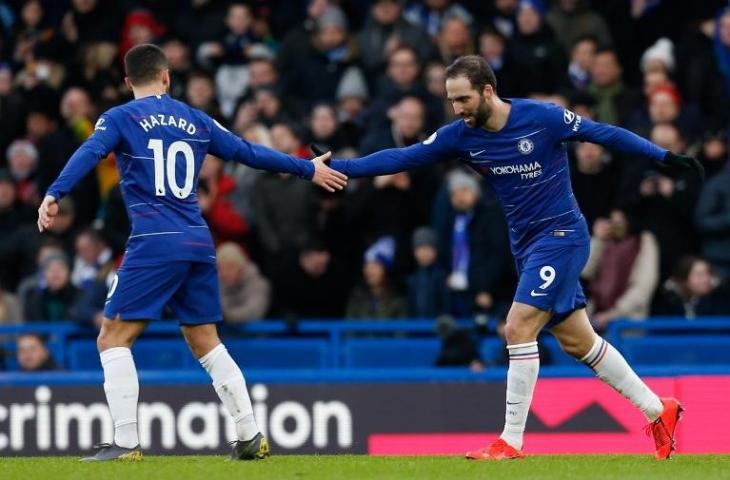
x=160 y=144
x=525 y=162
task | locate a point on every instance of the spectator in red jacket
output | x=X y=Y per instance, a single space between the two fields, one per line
x=225 y=223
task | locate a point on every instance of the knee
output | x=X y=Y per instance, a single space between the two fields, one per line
x=510 y=333
x=519 y=332
x=112 y=337
x=109 y=339
x=524 y=324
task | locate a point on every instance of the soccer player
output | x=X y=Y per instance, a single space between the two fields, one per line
x=518 y=146
x=160 y=144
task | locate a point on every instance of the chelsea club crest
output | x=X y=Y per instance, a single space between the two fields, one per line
x=525 y=146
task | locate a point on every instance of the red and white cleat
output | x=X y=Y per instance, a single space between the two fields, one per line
x=499 y=450
x=662 y=429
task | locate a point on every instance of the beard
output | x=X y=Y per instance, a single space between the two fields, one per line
x=482 y=113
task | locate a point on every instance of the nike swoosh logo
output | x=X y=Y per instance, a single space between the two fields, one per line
x=474 y=154
x=513 y=403
x=533 y=294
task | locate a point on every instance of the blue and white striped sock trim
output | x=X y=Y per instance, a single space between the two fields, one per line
x=523 y=351
x=596 y=354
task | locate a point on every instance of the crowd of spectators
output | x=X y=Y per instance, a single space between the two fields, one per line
x=358 y=77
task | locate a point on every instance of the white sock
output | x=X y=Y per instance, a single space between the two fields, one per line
x=524 y=365
x=611 y=367
x=230 y=386
x=122 y=393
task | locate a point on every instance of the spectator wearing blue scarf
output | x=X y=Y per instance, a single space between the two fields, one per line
x=472 y=245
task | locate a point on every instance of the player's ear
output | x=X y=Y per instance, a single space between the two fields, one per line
x=488 y=91
x=166 y=79
x=128 y=83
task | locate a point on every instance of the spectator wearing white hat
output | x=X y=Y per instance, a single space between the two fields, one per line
x=660 y=56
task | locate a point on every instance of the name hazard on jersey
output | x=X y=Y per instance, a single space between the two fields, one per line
x=161 y=120
x=526 y=170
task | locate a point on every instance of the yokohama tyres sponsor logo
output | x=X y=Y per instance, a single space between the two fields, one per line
x=521 y=168
x=526 y=171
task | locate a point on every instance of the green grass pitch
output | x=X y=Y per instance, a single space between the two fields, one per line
x=351 y=467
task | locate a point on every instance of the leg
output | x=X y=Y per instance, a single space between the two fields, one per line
x=548 y=280
x=121 y=385
x=197 y=305
x=139 y=292
x=577 y=338
x=201 y=339
x=118 y=333
x=228 y=380
x=524 y=322
x=523 y=325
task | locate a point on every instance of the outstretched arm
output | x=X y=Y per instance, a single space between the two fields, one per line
x=434 y=149
x=570 y=126
x=230 y=147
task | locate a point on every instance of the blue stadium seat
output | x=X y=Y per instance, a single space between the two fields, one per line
x=391 y=353
x=165 y=349
x=162 y=354
x=492 y=351
x=677 y=350
x=82 y=355
x=9 y=349
x=165 y=354
x=148 y=355
x=280 y=353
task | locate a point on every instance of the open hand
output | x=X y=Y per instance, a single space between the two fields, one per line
x=47 y=213
x=326 y=177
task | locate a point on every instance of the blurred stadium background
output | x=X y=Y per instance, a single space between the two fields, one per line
x=360 y=324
